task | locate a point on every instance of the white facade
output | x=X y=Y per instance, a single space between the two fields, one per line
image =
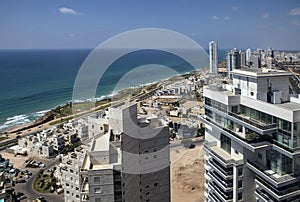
x=213 y=57
x=248 y=55
x=252 y=140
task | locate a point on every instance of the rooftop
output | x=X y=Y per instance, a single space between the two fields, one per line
x=292 y=106
x=260 y=72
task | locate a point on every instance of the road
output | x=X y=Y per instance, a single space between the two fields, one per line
x=27 y=188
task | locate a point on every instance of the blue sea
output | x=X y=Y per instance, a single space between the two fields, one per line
x=34 y=81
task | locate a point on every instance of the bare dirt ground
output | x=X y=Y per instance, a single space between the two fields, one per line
x=17 y=161
x=187 y=175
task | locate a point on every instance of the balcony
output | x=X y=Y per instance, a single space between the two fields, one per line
x=253 y=122
x=224 y=186
x=85 y=187
x=272 y=177
x=85 y=197
x=220 y=195
x=225 y=174
x=220 y=155
x=275 y=194
x=251 y=141
x=262 y=196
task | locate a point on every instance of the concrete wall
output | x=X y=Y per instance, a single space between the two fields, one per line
x=105 y=185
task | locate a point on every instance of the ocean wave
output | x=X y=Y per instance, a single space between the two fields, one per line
x=18 y=120
x=15 y=121
x=41 y=113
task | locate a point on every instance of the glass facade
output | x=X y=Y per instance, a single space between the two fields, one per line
x=279 y=163
x=226 y=143
x=215 y=104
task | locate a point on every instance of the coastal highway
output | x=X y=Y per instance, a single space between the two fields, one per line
x=27 y=188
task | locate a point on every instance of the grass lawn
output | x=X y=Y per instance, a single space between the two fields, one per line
x=43 y=183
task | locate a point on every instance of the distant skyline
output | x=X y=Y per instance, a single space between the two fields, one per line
x=53 y=24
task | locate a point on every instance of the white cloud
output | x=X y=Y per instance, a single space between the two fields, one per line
x=265 y=15
x=227 y=18
x=234 y=8
x=70 y=11
x=71 y=35
x=296 y=23
x=295 y=11
x=214 y=17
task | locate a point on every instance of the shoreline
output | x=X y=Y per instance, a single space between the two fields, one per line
x=120 y=95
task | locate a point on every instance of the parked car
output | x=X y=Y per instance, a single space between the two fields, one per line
x=21 y=197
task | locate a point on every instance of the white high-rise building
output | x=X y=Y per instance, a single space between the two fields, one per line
x=213 y=57
x=248 y=54
x=252 y=138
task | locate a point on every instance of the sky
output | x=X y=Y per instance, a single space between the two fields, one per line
x=56 y=24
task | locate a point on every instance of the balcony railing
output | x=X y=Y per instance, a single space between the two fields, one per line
x=271 y=175
x=262 y=195
x=253 y=122
x=218 y=168
x=225 y=197
x=224 y=185
x=208 y=146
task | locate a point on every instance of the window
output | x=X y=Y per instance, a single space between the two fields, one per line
x=96 y=179
x=235 y=151
x=226 y=143
x=240 y=171
x=155 y=184
x=97 y=190
x=240 y=196
x=92 y=126
x=240 y=184
x=251 y=93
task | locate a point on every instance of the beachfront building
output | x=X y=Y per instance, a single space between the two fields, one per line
x=213 y=57
x=34 y=146
x=252 y=138
x=126 y=159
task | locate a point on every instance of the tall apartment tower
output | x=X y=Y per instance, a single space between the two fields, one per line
x=213 y=57
x=233 y=60
x=243 y=59
x=127 y=158
x=248 y=55
x=252 y=138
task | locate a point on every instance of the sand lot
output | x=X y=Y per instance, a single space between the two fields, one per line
x=17 y=161
x=187 y=175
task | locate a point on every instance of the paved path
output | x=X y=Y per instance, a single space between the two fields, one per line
x=27 y=188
